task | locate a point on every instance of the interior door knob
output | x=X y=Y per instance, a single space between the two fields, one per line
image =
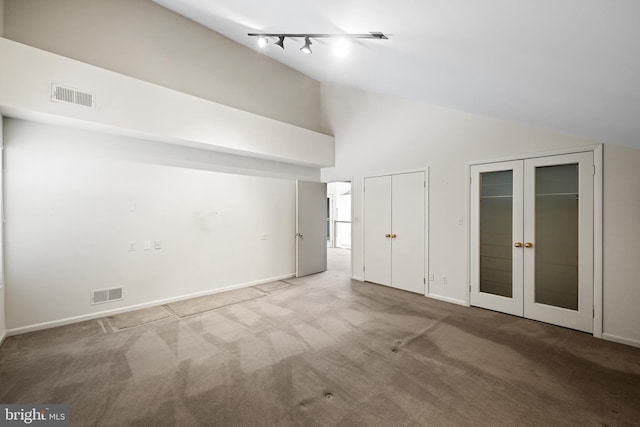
x=528 y=245
x=300 y=235
x=518 y=244
x=387 y=235
x=393 y=236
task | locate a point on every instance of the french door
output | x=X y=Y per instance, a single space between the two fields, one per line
x=532 y=238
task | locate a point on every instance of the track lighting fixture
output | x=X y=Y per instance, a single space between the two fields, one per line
x=307 y=46
x=263 y=38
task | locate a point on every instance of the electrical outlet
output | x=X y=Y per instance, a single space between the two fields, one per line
x=132 y=246
x=443 y=280
x=263 y=237
x=157 y=244
x=147 y=245
x=432 y=277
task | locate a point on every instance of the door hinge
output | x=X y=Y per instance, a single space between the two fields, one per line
x=363 y=268
x=594 y=312
x=425 y=184
x=424 y=280
x=363 y=188
x=594 y=170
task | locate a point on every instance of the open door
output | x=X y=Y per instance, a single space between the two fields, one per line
x=311 y=227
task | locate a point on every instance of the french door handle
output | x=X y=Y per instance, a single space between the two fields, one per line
x=518 y=244
x=528 y=245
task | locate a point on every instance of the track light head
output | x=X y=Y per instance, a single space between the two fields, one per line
x=341 y=48
x=307 y=46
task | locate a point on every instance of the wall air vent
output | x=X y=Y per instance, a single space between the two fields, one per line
x=69 y=95
x=100 y=296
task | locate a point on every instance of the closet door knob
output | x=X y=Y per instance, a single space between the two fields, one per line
x=387 y=235
x=528 y=245
x=518 y=244
x=393 y=236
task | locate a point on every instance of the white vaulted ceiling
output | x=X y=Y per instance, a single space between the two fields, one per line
x=568 y=65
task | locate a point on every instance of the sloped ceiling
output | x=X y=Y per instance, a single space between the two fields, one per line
x=567 y=65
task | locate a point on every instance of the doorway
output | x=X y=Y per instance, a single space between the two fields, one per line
x=338 y=229
x=532 y=238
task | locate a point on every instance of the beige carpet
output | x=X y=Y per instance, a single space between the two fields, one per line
x=272 y=286
x=138 y=317
x=327 y=352
x=210 y=302
x=339 y=260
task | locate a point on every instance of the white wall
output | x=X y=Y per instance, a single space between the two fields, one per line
x=3 y=325
x=377 y=134
x=621 y=269
x=144 y=40
x=69 y=200
x=138 y=108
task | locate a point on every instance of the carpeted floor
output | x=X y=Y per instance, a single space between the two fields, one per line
x=325 y=351
x=339 y=260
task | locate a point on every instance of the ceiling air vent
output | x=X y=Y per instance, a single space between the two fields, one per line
x=100 y=296
x=69 y=95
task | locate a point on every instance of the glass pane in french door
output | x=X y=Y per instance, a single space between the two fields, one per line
x=496 y=222
x=556 y=235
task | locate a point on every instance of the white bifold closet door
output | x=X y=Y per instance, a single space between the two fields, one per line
x=377 y=230
x=394 y=231
x=532 y=238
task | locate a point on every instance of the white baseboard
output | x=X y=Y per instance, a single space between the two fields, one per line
x=97 y=315
x=2 y=337
x=447 y=299
x=621 y=340
x=358 y=278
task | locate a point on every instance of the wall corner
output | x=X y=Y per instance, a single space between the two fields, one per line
x=1 y=18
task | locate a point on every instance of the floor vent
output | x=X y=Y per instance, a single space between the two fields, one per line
x=69 y=95
x=100 y=296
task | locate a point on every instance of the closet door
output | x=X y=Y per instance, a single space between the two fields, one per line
x=377 y=230
x=408 y=231
x=496 y=237
x=558 y=235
